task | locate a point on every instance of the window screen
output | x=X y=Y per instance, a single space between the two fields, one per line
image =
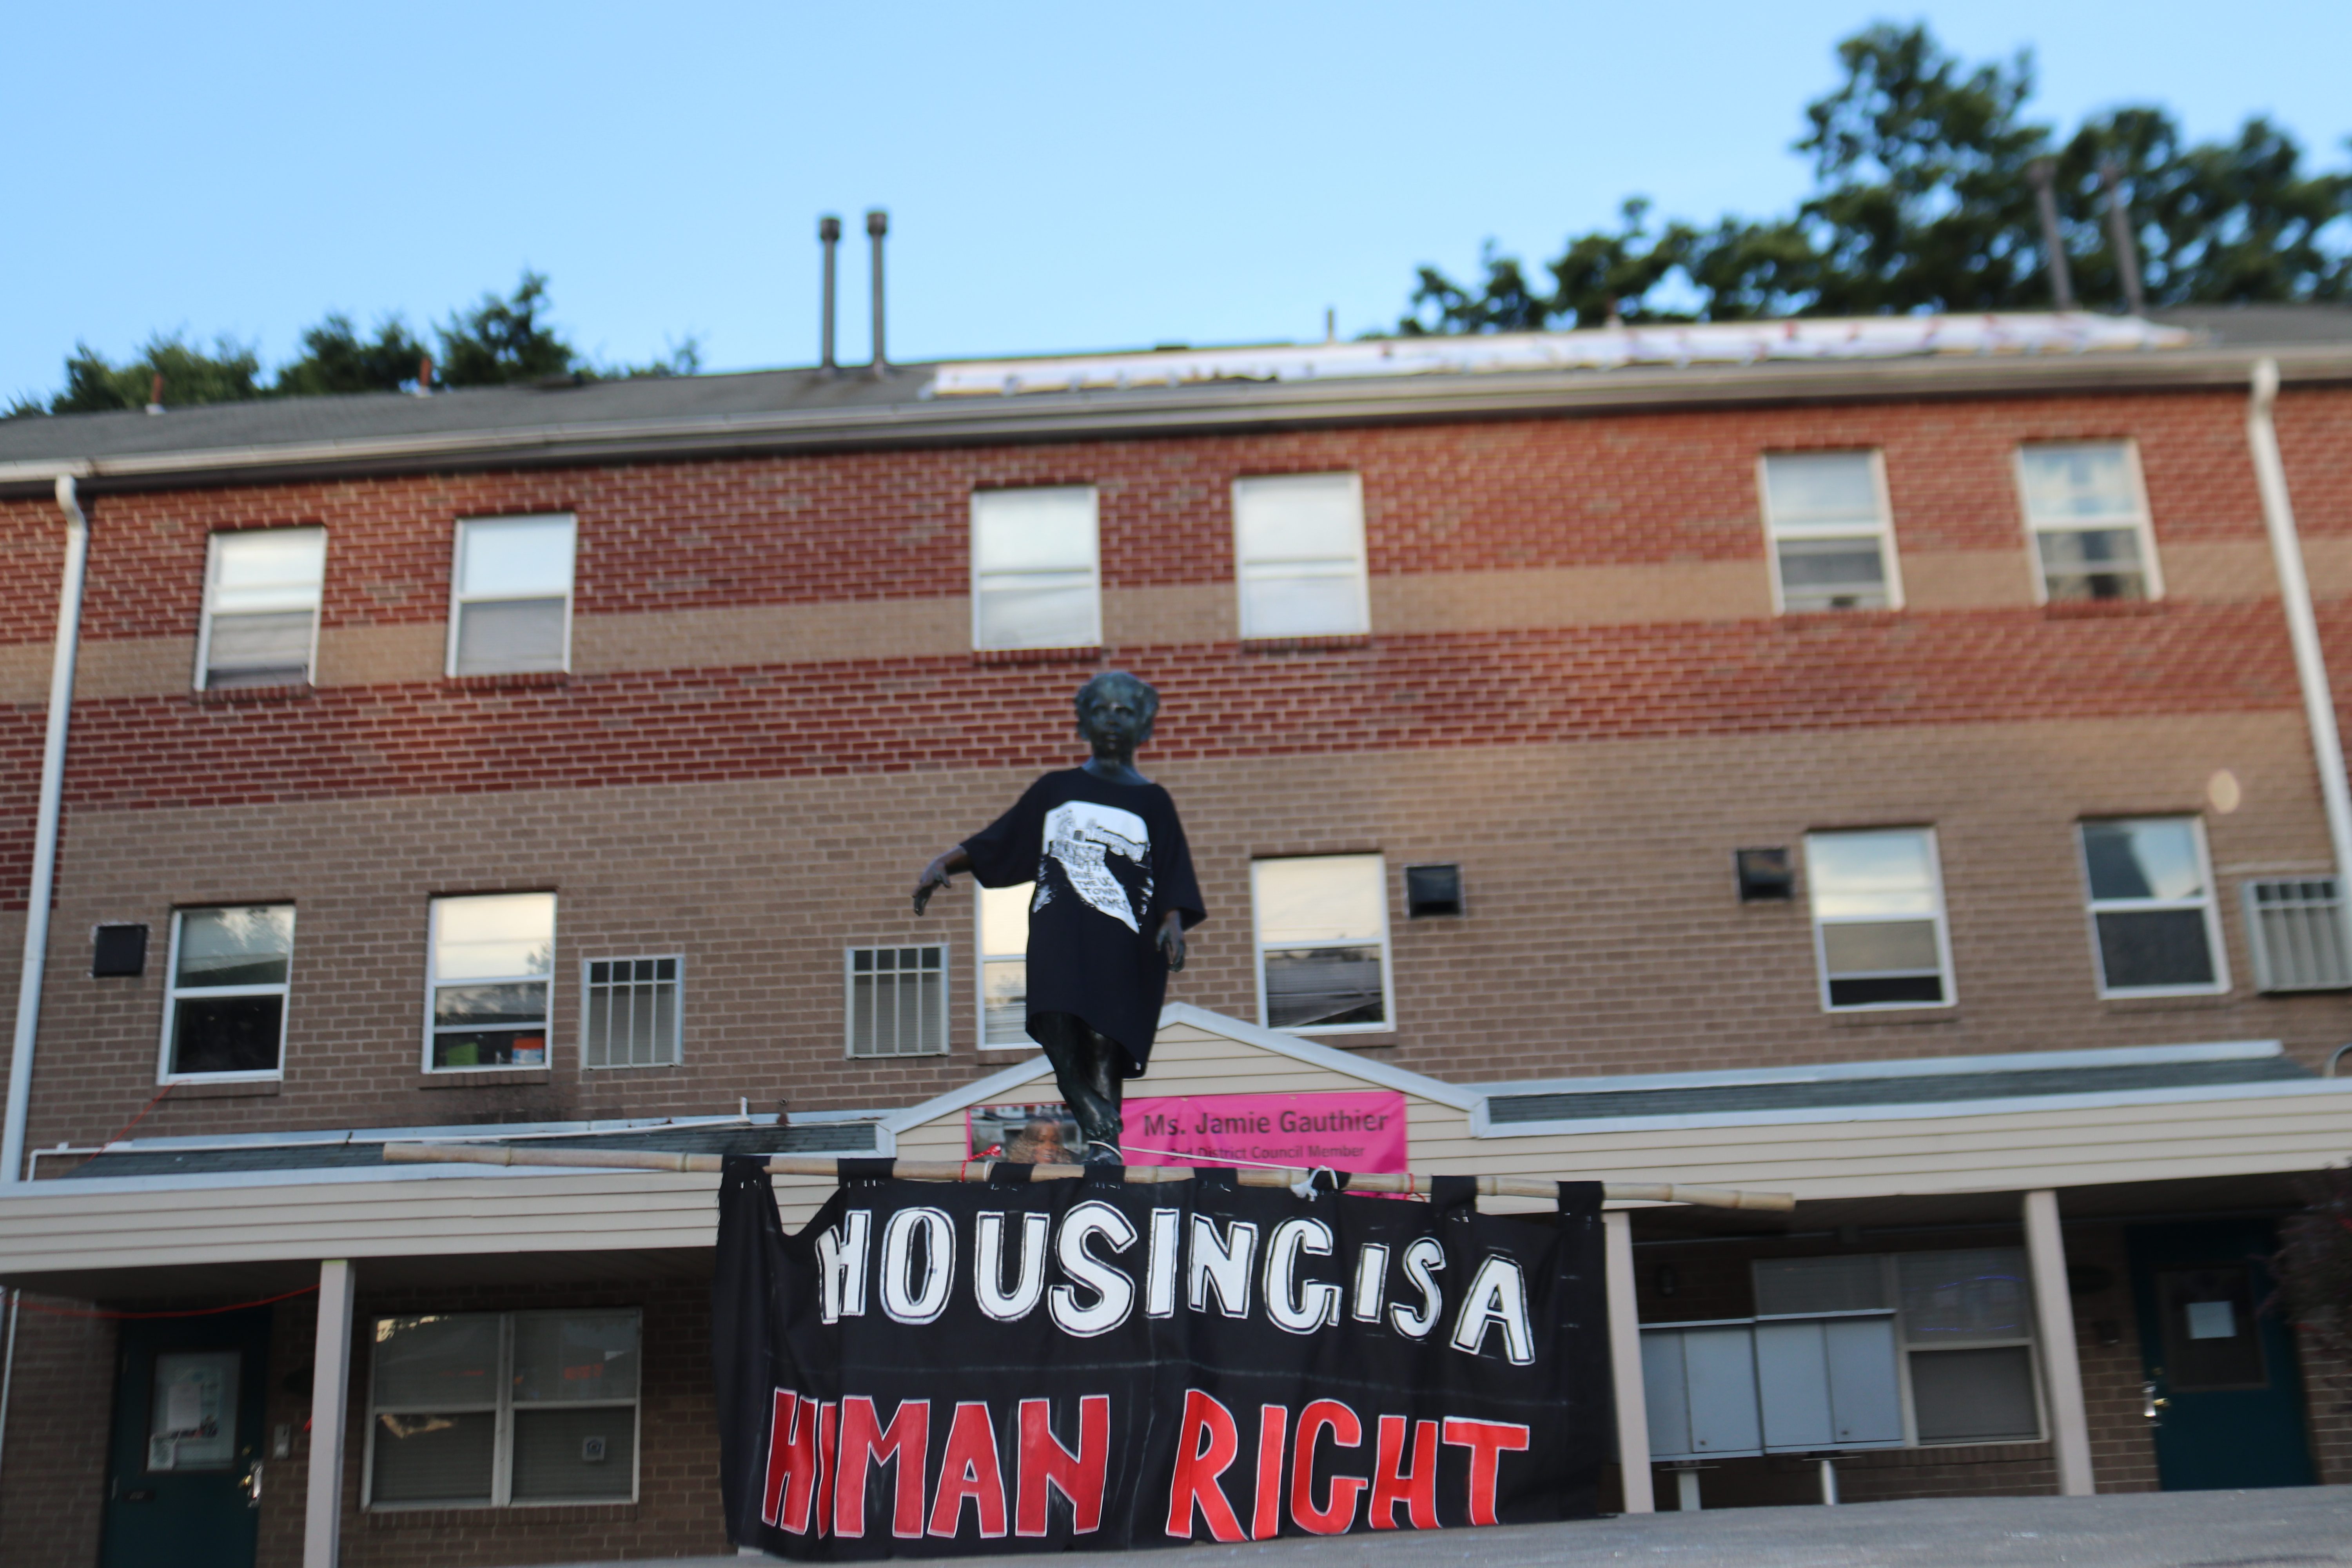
x=1971 y=1294
x=493 y=964
x=1974 y=1396
x=1299 y=556
x=511 y=608
x=1322 y=937
x=1799 y=1285
x=1832 y=543
x=261 y=607
x=225 y=1012
x=1878 y=916
x=2151 y=906
x=2089 y=528
x=1035 y=580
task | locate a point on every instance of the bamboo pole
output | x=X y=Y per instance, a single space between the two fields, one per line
x=828 y=1168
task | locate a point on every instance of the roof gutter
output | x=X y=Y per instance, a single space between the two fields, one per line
x=1214 y=408
x=44 y=834
x=2302 y=624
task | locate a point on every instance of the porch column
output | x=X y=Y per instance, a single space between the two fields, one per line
x=330 y=1384
x=2054 y=1313
x=1625 y=1364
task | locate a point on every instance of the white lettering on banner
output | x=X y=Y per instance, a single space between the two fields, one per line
x=1300 y=1308
x=1223 y=1263
x=1498 y=1295
x=906 y=1301
x=841 y=1258
x=1423 y=1260
x=1114 y=1291
x=988 y=1267
x=1372 y=1282
x=1160 y=1272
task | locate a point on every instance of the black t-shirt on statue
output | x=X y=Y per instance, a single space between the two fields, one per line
x=1109 y=861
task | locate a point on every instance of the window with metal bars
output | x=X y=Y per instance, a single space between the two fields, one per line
x=629 y=1012
x=2295 y=927
x=897 y=1000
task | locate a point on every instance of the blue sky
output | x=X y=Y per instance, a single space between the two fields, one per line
x=1059 y=176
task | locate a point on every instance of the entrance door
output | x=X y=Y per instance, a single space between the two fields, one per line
x=2222 y=1370
x=185 y=1469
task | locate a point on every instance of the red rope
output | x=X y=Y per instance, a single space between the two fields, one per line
x=142 y=1114
x=25 y=1306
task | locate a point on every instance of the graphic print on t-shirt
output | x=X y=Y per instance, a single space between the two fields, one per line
x=1080 y=837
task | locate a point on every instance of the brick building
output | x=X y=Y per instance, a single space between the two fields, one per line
x=1879 y=761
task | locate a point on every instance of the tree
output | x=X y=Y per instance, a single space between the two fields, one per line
x=1922 y=200
x=335 y=358
x=502 y=340
x=2313 y=1268
x=94 y=383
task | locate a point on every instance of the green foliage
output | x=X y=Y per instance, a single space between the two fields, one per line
x=502 y=340
x=94 y=383
x=335 y=358
x=1923 y=201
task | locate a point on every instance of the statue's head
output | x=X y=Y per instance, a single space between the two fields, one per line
x=1124 y=690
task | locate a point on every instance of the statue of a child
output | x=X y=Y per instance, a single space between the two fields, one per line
x=1115 y=896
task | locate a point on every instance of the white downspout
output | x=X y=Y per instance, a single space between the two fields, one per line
x=45 y=835
x=2302 y=626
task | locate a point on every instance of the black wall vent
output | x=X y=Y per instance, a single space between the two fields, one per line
x=1432 y=890
x=1765 y=874
x=118 y=951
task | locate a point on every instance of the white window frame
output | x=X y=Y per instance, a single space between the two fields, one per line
x=982 y=957
x=432 y=982
x=2142 y=522
x=1891 y=1292
x=1942 y=919
x=172 y=994
x=504 y=1406
x=1247 y=569
x=212 y=590
x=946 y=1006
x=677 y=1043
x=2210 y=904
x=1260 y=947
x=980 y=501
x=459 y=599
x=1882 y=529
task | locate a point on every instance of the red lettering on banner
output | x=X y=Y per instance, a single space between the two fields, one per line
x=792 y=1471
x=828 y=1450
x=1347 y=1432
x=1078 y=1477
x=1271 y=1421
x=968 y=1469
x=1393 y=1484
x=1205 y=1445
x=1487 y=1441
x=905 y=1442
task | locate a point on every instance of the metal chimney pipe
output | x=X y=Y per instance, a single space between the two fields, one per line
x=878 y=223
x=828 y=234
x=2119 y=236
x=2043 y=171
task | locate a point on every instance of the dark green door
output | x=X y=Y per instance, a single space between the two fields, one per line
x=2222 y=1377
x=185 y=1468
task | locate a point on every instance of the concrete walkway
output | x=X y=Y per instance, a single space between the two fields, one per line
x=2303 y=1527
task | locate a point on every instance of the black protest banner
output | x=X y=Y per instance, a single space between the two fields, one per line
x=931 y=1369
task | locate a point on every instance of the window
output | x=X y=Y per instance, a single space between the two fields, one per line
x=261 y=607
x=1036 y=572
x=1322 y=944
x=1003 y=946
x=510 y=610
x=1964 y=1319
x=629 y=1012
x=2153 y=924
x=1826 y=517
x=2087 y=514
x=499 y=1409
x=493 y=966
x=1879 y=919
x=225 y=1012
x=898 y=999
x=1299 y=556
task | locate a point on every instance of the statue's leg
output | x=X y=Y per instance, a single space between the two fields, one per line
x=1086 y=1067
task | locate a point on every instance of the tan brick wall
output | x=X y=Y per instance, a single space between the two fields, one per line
x=60 y=1407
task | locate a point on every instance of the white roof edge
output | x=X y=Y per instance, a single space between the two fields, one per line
x=1915 y=1110
x=321 y=1175
x=473 y=1131
x=1921 y=1066
x=1351 y=1063
x=970 y=1094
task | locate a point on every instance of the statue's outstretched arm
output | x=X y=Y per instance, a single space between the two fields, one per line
x=935 y=877
x=1172 y=939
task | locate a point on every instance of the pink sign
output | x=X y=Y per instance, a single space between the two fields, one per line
x=1349 y=1130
